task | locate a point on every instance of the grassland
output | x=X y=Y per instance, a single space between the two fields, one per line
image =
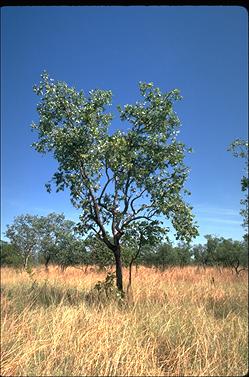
x=179 y=322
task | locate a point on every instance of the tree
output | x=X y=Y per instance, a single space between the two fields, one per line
x=232 y=254
x=211 y=249
x=200 y=255
x=23 y=236
x=184 y=254
x=54 y=232
x=10 y=255
x=120 y=178
x=165 y=256
x=71 y=252
x=139 y=235
x=222 y=252
x=43 y=238
x=98 y=253
x=147 y=258
x=239 y=148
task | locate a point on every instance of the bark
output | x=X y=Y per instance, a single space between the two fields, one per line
x=25 y=264
x=47 y=262
x=63 y=268
x=119 y=276
x=129 y=283
x=132 y=261
x=236 y=267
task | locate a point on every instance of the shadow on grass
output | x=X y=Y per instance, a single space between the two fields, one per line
x=46 y=295
x=221 y=308
x=43 y=295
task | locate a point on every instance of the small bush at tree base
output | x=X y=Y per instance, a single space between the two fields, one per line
x=104 y=292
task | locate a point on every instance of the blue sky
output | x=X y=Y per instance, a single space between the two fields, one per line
x=200 y=50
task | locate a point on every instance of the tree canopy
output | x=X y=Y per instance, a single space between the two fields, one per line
x=44 y=239
x=23 y=236
x=55 y=233
x=239 y=148
x=116 y=179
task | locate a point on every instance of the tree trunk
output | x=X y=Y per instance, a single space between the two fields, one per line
x=134 y=257
x=119 y=277
x=236 y=267
x=46 y=263
x=129 y=282
x=63 y=268
x=130 y=267
x=25 y=264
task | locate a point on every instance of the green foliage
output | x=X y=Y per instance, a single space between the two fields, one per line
x=104 y=291
x=219 y=251
x=24 y=236
x=108 y=285
x=98 y=253
x=55 y=235
x=145 y=162
x=200 y=255
x=183 y=254
x=71 y=252
x=45 y=239
x=239 y=148
x=166 y=256
x=232 y=254
x=138 y=237
x=10 y=255
x=211 y=249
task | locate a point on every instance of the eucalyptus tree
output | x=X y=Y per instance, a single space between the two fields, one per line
x=239 y=148
x=24 y=237
x=115 y=179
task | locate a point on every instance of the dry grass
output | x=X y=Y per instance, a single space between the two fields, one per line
x=179 y=323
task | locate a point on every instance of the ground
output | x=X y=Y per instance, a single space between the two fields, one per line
x=184 y=321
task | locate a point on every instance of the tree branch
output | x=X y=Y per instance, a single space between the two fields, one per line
x=137 y=218
x=96 y=218
x=134 y=257
x=136 y=197
x=106 y=184
x=126 y=197
x=115 y=199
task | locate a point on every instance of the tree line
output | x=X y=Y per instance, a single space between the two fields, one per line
x=52 y=239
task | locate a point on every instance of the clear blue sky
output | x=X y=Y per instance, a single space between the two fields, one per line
x=200 y=50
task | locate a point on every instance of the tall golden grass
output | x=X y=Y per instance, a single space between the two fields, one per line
x=180 y=322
